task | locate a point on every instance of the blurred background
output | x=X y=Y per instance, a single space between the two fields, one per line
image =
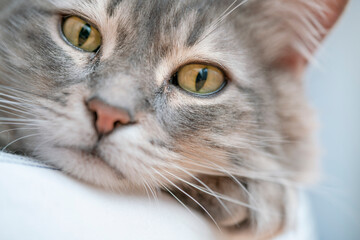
x=334 y=90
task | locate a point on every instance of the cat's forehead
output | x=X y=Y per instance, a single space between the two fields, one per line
x=191 y=17
x=141 y=9
x=112 y=6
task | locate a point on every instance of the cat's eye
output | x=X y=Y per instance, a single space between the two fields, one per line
x=81 y=34
x=200 y=79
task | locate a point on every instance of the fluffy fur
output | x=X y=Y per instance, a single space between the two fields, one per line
x=237 y=156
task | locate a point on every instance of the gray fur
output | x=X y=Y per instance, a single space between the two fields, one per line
x=250 y=142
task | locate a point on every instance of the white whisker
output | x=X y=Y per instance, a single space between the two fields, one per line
x=17 y=109
x=12 y=113
x=216 y=195
x=18 y=123
x=189 y=196
x=19 y=120
x=177 y=199
x=15 y=129
x=18 y=139
x=14 y=97
x=146 y=187
x=237 y=182
x=209 y=190
x=221 y=19
x=152 y=190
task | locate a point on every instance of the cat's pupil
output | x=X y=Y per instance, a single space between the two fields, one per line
x=84 y=34
x=201 y=79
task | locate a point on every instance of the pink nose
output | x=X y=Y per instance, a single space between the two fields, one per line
x=108 y=117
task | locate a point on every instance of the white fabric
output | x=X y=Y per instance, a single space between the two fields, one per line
x=40 y=203
x=305 y=229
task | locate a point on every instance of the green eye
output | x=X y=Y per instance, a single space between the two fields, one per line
x=200 y=79
x=81 y=34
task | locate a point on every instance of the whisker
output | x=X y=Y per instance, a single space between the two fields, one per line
x=152 y=190
x=210 y=191
x=13 y=114
x=247 y=173
x=224 y=12
x=217 y=195
x=218 y=22
x=189 y=196
x=177 y=199
x=229 y=12
x=19 y=120
x=19 y=91
x=14 y=129
x=19 y=99
x=18 y=123
x=38 y=146
x=18 y=139
x=16 y=103
x=18 y=110
x=146 y=187
x=237 y=182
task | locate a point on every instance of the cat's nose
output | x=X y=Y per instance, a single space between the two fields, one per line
x=107 y=116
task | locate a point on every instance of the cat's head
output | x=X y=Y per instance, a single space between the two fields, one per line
x=200 y=98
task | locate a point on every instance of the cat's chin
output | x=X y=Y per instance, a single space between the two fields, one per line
x=88 y=167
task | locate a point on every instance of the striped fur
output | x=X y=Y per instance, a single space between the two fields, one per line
x=238 y=156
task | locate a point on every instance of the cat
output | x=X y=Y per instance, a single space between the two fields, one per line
x=199 y=99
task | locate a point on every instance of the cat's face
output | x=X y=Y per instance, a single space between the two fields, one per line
x=235 y=150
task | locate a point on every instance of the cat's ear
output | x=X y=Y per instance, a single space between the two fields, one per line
x=303 y=26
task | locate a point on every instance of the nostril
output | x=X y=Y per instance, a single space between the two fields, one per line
x=108 y=117
x=95 y=116
x=117 y=124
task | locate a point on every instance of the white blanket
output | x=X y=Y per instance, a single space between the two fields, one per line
x=40 y=203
